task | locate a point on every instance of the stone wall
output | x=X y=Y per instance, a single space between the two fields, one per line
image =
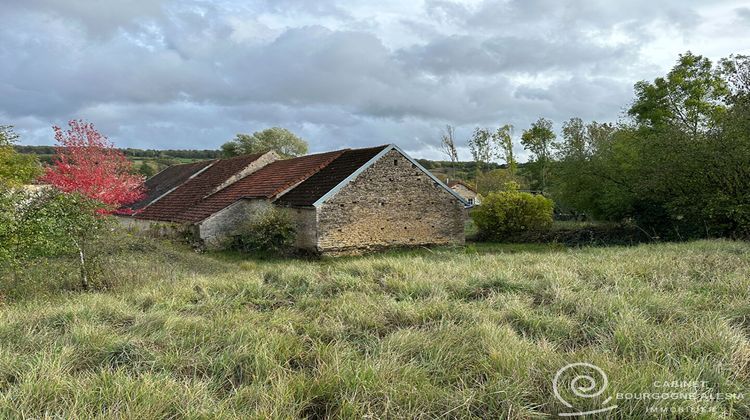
x=216 y=230
x=391 y=203
x=155 y=229
x=306 y=222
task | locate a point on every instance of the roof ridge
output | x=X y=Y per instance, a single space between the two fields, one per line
x=245 y=156
x=315 y=154
x=328 y=177
x=278 y=192
x=173 y=204
x=222 y=186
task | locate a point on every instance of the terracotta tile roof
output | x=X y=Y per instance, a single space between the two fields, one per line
x=302 y=181
x=266 y=182
x=314 y=187
x=191 y=192
x=168 y=179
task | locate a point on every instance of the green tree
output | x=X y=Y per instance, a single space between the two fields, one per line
x=688 y=98
x=591 y=168
x=498 y=180
x=511 y=211
x=679 y=169
x=693 y=155
x=15 y=169
x=735 y=69
x=283 y=141
x=539 y=140
x=574 y=142
x=48 y=222
x=725 y=201
x=146 y=170
x=482 y=148
x=504 y=139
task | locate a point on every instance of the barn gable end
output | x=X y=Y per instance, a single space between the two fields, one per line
x=391 y=201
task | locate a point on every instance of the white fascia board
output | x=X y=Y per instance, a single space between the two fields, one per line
x=377 y=157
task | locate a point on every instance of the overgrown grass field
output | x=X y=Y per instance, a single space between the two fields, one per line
x=444 y=333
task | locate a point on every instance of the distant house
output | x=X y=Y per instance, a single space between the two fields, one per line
x=467 y=192
x=342 y=201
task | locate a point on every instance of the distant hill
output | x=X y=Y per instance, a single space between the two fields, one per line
x=45 y=151
x=147 y=162
x=460 y=170
x=157 y=160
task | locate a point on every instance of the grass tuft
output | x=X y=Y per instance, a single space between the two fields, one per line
x=445 y=333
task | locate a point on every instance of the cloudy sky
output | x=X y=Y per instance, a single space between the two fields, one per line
x=340 y=73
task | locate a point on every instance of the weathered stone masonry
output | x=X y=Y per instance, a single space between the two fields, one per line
x=342 y=201
x=391 y=203
x=217 y=230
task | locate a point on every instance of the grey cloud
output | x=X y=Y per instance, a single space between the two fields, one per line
x=317 y=8
x=446 y=12
x=589 y=98
x=743 y=13
x=194 y=73
x=98 y=17
x=528 y=15
x=467 y=54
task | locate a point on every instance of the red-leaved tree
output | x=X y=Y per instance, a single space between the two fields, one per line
x=88 y=163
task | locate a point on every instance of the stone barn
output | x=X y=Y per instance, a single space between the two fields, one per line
x=342 y=201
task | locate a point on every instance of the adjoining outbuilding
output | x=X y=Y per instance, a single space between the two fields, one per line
x=466 y=191
x=342 y=201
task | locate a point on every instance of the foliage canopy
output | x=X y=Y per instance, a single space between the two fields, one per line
x=507 y=212
x=281 y=140
x=15 y=169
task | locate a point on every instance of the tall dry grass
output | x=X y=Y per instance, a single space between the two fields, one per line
x=445 y=333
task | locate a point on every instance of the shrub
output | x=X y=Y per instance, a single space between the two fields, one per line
x=511 y=211
x=273 y=230
x=49 y=223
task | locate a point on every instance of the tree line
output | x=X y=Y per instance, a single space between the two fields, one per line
x=678 y=165
x=130 y=152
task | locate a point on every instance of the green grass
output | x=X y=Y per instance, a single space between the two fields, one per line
x=442 y=333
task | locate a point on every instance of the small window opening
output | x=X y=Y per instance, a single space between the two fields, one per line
x=395 y=162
